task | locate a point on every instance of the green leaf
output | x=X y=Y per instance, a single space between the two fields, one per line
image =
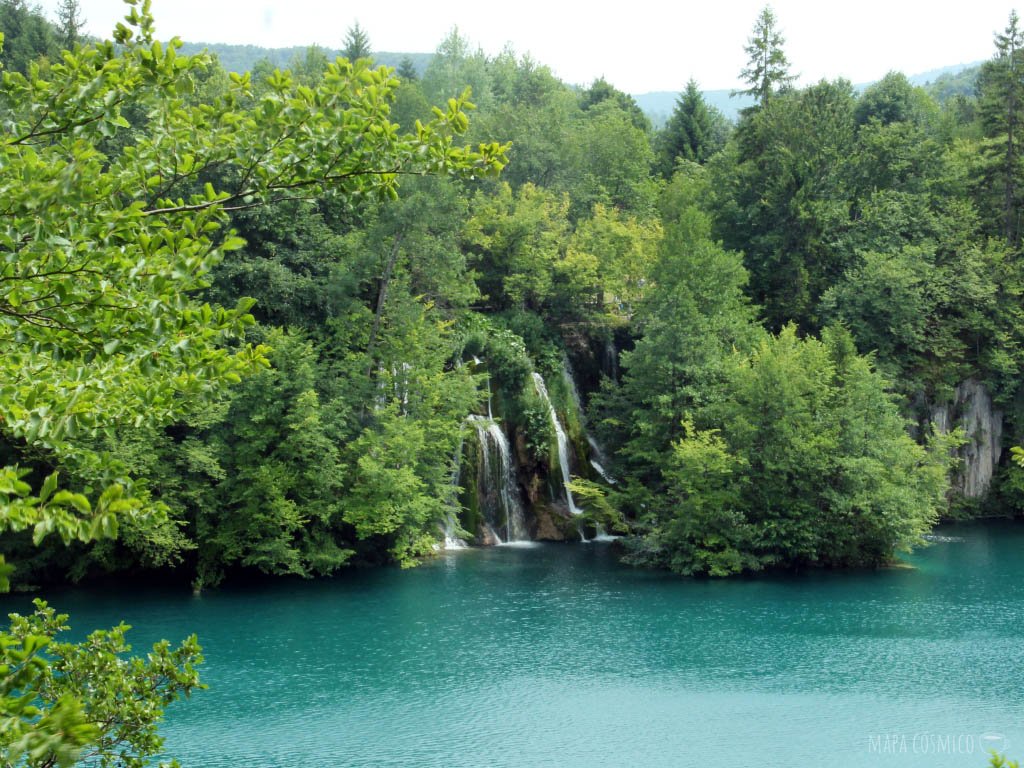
x=49 y=486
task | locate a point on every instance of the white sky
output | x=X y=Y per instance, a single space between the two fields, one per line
x=640 y=46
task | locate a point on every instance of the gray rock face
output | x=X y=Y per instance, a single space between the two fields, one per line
x=972 y=411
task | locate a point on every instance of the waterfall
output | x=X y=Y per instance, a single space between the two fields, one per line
x=451 y=520
x=602 y=472
x=597 y=455
x=477 y=362
x=563 y=441
x=497 y=482
x=610 y=363
x=598 y=460
x=569 y=377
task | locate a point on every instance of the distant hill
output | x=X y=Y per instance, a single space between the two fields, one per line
x=954 y=83
x=941 y=83
x=657 y=105
x=242 y=58
x=934 y=75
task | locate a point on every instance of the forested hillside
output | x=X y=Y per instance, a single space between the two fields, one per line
x=793 y=340
x=284 y=322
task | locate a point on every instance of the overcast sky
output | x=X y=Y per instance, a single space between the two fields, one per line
x=641 y=46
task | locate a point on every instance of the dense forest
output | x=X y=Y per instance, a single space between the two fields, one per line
x=793 y=340
x=287 y=322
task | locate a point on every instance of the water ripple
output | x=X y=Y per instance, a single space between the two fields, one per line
x=555 y=655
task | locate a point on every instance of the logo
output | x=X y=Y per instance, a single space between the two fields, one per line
x=993 y=741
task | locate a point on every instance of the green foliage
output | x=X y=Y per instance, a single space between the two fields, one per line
x=593 y=499
x=27 y=36
x=388 y=496
x=707 y=531
x=1018 y=455
x=601 y=90
x=1001 y=761
x=812 y=465
x=608 y=267
x=1000 y=106
x=616 y=166
x=357 y=44
x=691 y=319
x=505 y=357
x=950 y=85
x=112 y=229
x=307 y=67
x=694 y=132
x=455 y=67
x=935 y=300
x=94 y=336
x=69 y=23
x=536 y=422
x=767 y=69
x=783 y=202
x=542 y=119
x=70 y=702
x=274 y=475
x=517 y=240
x=894 y=100
x=407 y=71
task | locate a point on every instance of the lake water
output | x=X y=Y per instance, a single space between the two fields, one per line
x=556 y=655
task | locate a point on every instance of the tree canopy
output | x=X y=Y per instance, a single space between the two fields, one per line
x=767 y=67
x=357 y=44
x=111 y=227
x=761 y=333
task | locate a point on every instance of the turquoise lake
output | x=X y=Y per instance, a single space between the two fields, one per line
x=556 y=655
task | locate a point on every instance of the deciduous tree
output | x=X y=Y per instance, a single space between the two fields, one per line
x=101 y=254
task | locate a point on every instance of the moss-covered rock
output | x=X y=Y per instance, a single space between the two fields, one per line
x=554 y=523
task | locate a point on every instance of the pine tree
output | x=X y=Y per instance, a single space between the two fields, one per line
x=1001 y=104
x=407 y=70
x=28 y=36
x=694 y=132
x=357 y=44
x=767 y=68
x=69 y=23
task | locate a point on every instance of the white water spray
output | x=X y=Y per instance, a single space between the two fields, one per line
x=499 y=481
x=451 y=520
x=563 y=441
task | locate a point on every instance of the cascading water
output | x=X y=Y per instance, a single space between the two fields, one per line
x=610 y=363
x=597 y=455
x=569 y=377
x=477 y=362
x=598 y=460
x=563 y=441
x=451 y=520
x=497 y=482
